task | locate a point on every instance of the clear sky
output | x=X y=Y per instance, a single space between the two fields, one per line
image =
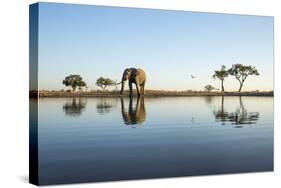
x=96 y=41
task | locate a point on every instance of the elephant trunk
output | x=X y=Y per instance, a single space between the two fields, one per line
x=123 y=79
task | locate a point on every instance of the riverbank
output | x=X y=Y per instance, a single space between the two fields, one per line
x=148 y=93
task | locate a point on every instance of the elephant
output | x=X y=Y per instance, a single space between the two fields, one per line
x=136 y=76
x=136 y=113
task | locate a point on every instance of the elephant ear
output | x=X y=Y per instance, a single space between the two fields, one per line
x=134 y=72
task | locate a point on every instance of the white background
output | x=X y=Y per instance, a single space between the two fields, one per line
x=14 y=92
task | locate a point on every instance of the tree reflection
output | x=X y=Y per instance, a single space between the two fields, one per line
x=136 y=113
x=75 y=107
x=238 y=118
x=221 y=115
x=209 y=99
x=104 y=106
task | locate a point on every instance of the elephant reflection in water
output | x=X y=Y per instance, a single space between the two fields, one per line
x=75 y=107
x=238 y=118
x=136 y=113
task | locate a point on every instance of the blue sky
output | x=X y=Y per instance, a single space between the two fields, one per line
x=96 y=41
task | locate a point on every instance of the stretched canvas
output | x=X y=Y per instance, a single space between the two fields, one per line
x=130 y=93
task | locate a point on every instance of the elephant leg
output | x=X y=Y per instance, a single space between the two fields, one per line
x=131 y=88
x=142 y=88
x=138 y=88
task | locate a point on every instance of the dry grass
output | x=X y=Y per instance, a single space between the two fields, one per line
x=148 y=93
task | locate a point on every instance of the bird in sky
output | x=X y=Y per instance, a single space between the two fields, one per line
x=192 y=76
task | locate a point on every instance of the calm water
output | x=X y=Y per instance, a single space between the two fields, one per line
x=101 y=139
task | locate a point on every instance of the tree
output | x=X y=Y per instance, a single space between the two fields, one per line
x=104 y=82
x=74 y=81
x=221 y=75
x=241 y=72
x=209 y=88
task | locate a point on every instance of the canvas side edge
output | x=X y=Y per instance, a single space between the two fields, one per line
x=33 y=93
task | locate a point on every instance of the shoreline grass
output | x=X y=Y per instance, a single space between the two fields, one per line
x=148 y=93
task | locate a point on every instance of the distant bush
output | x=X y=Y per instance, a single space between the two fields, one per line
x=209 y=88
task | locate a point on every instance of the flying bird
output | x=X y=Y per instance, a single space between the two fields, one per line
x=192 y=76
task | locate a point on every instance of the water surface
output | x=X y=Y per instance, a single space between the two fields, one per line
x=102 y=139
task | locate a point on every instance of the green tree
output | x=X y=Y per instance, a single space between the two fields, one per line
x=104 y=82
x=241 y=72
x=221 y=75
x=209 y=88
x=74 y=81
